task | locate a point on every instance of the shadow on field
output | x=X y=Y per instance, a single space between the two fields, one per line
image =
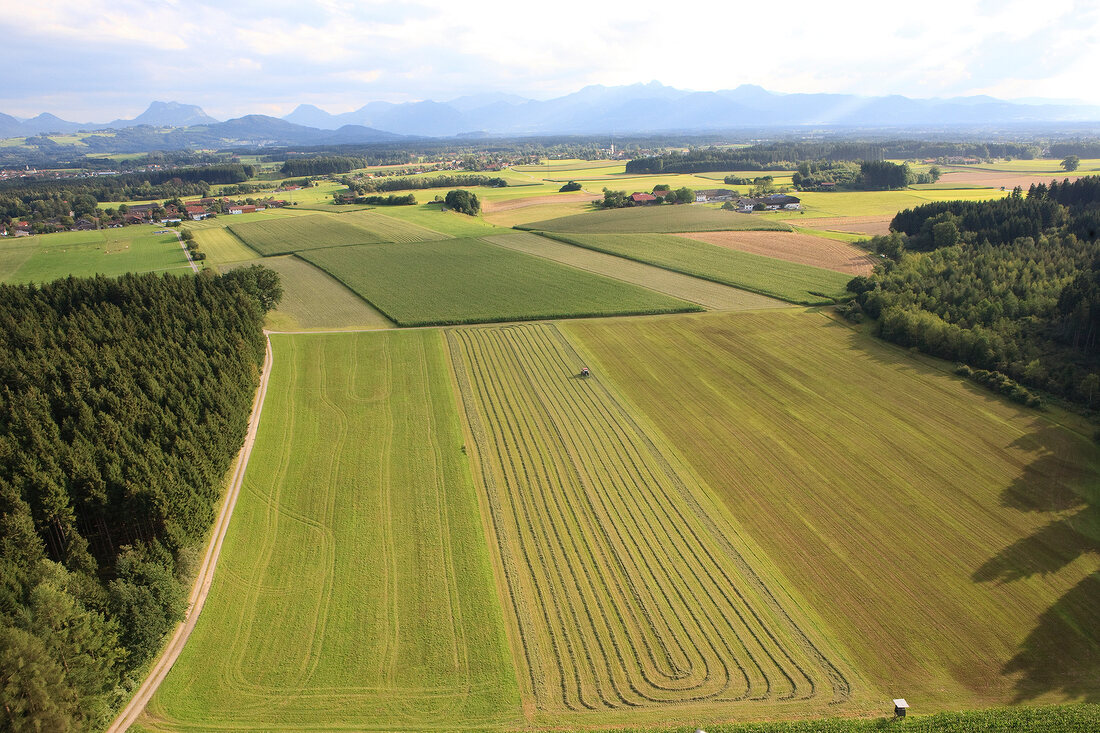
x=1062 y=653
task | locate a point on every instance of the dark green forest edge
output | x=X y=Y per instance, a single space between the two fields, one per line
x=1009 y=288
x=122 y=405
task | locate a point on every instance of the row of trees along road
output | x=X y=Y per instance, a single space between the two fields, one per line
x=122 y=404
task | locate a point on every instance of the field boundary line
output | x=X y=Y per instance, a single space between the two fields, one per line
x=186 y=252
x=205 y=579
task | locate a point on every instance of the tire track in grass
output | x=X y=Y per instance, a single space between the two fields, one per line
x=598 y=495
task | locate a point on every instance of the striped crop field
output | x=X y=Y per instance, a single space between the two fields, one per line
x=658 y=219
x=354 y=589
x=790 y=281
x=389 y=229
x=628 y=590
x=469 y=281
x=709 y=294
x=294 y=234
x=431 y=216
x=948 y=537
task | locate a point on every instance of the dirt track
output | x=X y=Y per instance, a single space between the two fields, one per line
x=205 y=578
x=805 y=249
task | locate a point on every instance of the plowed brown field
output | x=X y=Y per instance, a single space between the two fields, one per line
x=801 y=248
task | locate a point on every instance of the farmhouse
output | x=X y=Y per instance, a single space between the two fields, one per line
x=196 y=213
x=643 y=198
x=714 y=194
x=241 y=208
x=778 y=201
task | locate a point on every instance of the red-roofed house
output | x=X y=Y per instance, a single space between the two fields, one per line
x=241 y=208
x=642 y=198
x=196 y=212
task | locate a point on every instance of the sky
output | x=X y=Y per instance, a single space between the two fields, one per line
x=98 y=60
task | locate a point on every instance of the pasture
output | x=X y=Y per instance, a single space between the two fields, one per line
x=110 y=252
x=469 y=281
x=222 y=246
x=805 y=249
x=354 y=589
x=629 y=592
x=314 y=300
x=709 y=294
x=947 y=535
x=658 y=219
x=790 y=281
x=431 y=216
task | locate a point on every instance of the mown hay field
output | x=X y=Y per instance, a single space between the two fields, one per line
x=469 y=281
x=769 y=276
x=629 y=592
x=657 y=219
x=867 y=225
x=804 y=249
x=709 y=294
x=354 y=589
x=112 y=252
x=313 y=300
x=947 y=536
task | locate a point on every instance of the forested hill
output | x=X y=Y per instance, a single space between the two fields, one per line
x=1009 y=286
x=122 y=404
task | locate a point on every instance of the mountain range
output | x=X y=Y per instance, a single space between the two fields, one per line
x=596 y=109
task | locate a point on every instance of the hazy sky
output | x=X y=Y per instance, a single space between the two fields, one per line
x=96 y=60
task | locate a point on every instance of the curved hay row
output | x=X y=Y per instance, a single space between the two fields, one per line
x=624 y=593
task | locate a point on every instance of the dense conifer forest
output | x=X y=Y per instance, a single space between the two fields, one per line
x=122 y=405
x=1009 y=286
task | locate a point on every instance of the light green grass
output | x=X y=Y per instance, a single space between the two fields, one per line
x=776 y=278
x=111 y=252
x=657 y=219
x=313 y=300
x=709 y=294
x=948 y=537
x=286 y=235
x=631 y=594
x=391 y=229
x=469 y=281
x=354 y=589
x=430 y=216
x=881 y=203
x=222 y=246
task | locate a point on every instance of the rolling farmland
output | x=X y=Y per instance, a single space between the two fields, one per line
x=658 y=219
x=314 y=300
x=354 y=589
x=804 y=249
x=788 y=281
x=222 y=246
x=627 y=588
x=469 y=281
x=709 y=294
x=947 y=535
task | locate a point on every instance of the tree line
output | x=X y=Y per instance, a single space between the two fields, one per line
x=322 y=165
x=123 y=403
x=378 y=185
x=1010 y=287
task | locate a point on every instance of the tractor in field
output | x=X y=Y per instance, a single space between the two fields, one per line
x=585 y=372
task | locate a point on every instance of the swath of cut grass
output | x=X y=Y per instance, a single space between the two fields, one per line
x=658 y=219
x=469 y=281
x=354 y=589
x=941 y=531
x=222 y=246
x=709 y=294
x=627 y=590
x=788 y=281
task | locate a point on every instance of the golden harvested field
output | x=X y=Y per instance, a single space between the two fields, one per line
x=947 y=535
x=970 y=176
x=492 y=207
x=627 y=589
x=805 y=249
x=869 y=225
x=710 y=295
